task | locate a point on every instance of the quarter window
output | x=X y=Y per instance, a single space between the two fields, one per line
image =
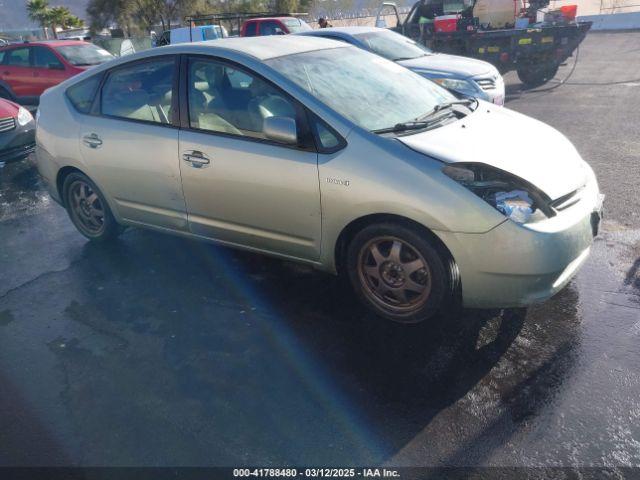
x=81 y=94
x=227 y=100
x=142 y=91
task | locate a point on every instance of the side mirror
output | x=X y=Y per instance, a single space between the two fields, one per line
x=281 y=129
x=56 y=66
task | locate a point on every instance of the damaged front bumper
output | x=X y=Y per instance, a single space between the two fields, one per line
x=515 y=265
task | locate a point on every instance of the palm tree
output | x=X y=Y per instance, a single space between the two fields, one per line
x=39 y=11
x=62 y=17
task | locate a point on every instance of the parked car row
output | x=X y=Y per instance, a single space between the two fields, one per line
x=321 y=152
x=28 y=69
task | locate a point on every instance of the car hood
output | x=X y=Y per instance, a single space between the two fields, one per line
x=440 y=62
x=509 y=141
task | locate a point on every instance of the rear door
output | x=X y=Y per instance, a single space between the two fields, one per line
x=130 y=142
x=47 y=70
x=16 y=71
x=241 y=188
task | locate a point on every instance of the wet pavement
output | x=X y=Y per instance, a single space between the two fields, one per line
x=162 y=351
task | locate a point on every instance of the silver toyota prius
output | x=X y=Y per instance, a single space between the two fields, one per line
x=316 y=151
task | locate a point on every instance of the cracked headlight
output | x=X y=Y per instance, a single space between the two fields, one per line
x=24 y=116
x=515 y=198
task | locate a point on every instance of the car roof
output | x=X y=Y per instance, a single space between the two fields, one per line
x=261 y=48
x=50 y=43
x=342 y=30
x=260 y=19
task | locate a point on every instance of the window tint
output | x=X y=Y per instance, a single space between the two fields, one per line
x=18 y=57
x=81 y=94
x=2 y=56
x=140 y=92
x=43 y=57
x=250 y=29
x=224 y=99
x=270 y=28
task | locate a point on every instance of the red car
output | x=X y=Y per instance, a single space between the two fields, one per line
x=256 y=27
x=17 y=132
x=28 y=69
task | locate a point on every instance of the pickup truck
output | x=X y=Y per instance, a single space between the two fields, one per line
x=534 y=52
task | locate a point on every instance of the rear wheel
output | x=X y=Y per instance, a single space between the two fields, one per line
x=398 y=273
x=88 y=209
x=534 y=75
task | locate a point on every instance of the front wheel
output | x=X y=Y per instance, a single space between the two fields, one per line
x=399 y=274
x=88 y=209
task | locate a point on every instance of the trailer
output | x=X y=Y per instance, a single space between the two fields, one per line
x=535 y=52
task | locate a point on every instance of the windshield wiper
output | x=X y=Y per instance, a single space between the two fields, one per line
x=445 y=106
x=428 y=119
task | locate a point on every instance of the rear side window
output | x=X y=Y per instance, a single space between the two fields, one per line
x=18 y=57
x=250 y=29
x=81 y=94
x=141 y=91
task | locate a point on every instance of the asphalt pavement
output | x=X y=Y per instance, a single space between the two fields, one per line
x=162 y=351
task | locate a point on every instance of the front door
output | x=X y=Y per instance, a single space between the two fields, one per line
x=240 y=187
x=131 y=147
x=48 y=70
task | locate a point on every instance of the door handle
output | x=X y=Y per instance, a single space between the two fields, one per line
x=196 y=159
x=92 y=141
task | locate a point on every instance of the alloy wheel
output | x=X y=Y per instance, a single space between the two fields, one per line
x=86 y=207
x=394 y=274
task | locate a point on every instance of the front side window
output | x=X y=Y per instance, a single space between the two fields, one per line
x=18 y=57
x=392 y=46
x=45 y=58
x=227 y=100
x=84 y=55
x=369 y=90
x=141 y=91
x=269 y=27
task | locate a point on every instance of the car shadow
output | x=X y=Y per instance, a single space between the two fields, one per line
x=286 y=349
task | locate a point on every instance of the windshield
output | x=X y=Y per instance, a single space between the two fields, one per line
x=296 y=25
x=83 y=55
x=372 y=92
x=392 y=45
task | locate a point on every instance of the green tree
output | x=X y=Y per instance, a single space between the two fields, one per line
x=286 y=6
x=39 y=11
x=62 y=17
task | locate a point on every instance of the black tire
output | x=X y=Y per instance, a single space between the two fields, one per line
x=88 y=209
x=379 y=282
x=534 y=75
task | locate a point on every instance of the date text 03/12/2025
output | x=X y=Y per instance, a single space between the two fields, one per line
x=316 y=472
